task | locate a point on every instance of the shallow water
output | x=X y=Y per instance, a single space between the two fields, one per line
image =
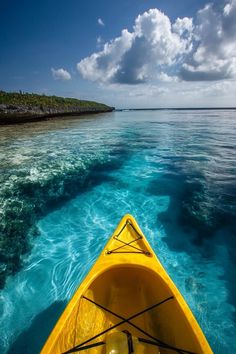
x=65 y=186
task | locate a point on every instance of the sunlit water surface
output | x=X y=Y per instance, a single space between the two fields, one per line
x=69 y=182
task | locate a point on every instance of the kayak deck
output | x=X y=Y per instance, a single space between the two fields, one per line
x=127 y=290
x=121 y=292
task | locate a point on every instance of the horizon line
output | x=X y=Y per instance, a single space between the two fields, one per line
x=174 y=108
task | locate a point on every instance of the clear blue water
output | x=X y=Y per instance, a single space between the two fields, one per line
x=66 y=184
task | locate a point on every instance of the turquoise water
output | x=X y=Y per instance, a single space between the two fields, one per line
x=66 y=184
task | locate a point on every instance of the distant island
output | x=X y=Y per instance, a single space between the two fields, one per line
x=20 y=107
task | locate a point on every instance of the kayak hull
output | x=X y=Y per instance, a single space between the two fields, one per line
x=126 y=280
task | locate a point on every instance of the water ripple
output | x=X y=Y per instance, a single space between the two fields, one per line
x=70 y=183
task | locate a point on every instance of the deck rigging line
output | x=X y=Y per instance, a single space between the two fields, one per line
x=137 y=249
x=156 y=341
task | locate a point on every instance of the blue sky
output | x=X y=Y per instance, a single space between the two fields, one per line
x=127 y=53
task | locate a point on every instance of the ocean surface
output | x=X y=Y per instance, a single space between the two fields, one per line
x=64 y=186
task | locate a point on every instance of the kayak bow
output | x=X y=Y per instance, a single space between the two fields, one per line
x=127 y=304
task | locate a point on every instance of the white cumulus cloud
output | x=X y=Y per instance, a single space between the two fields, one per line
x=191 y=49
x=61 y=74
x=104 y=64
x=183 y=25
x=137 y=56
x=214 y=54
x=100 y=22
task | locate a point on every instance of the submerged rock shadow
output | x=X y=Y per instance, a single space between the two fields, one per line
x=31 y=200
x=33 y=338
x=195 y=225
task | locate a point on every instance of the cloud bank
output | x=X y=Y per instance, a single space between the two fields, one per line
x=61 y=74
x=214 y=56
x=200 y=49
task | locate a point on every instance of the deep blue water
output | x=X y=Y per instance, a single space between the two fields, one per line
x=66 y=184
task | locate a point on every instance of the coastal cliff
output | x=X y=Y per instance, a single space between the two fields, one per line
x=25 y=107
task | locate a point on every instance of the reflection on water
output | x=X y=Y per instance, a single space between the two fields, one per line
x=69 y=182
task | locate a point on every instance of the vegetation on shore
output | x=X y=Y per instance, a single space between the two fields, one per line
x=33 y=99
x=19 y=107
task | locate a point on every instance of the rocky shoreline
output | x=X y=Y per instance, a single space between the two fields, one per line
x=17 y=113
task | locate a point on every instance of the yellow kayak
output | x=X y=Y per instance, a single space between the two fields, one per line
x=127 y=304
